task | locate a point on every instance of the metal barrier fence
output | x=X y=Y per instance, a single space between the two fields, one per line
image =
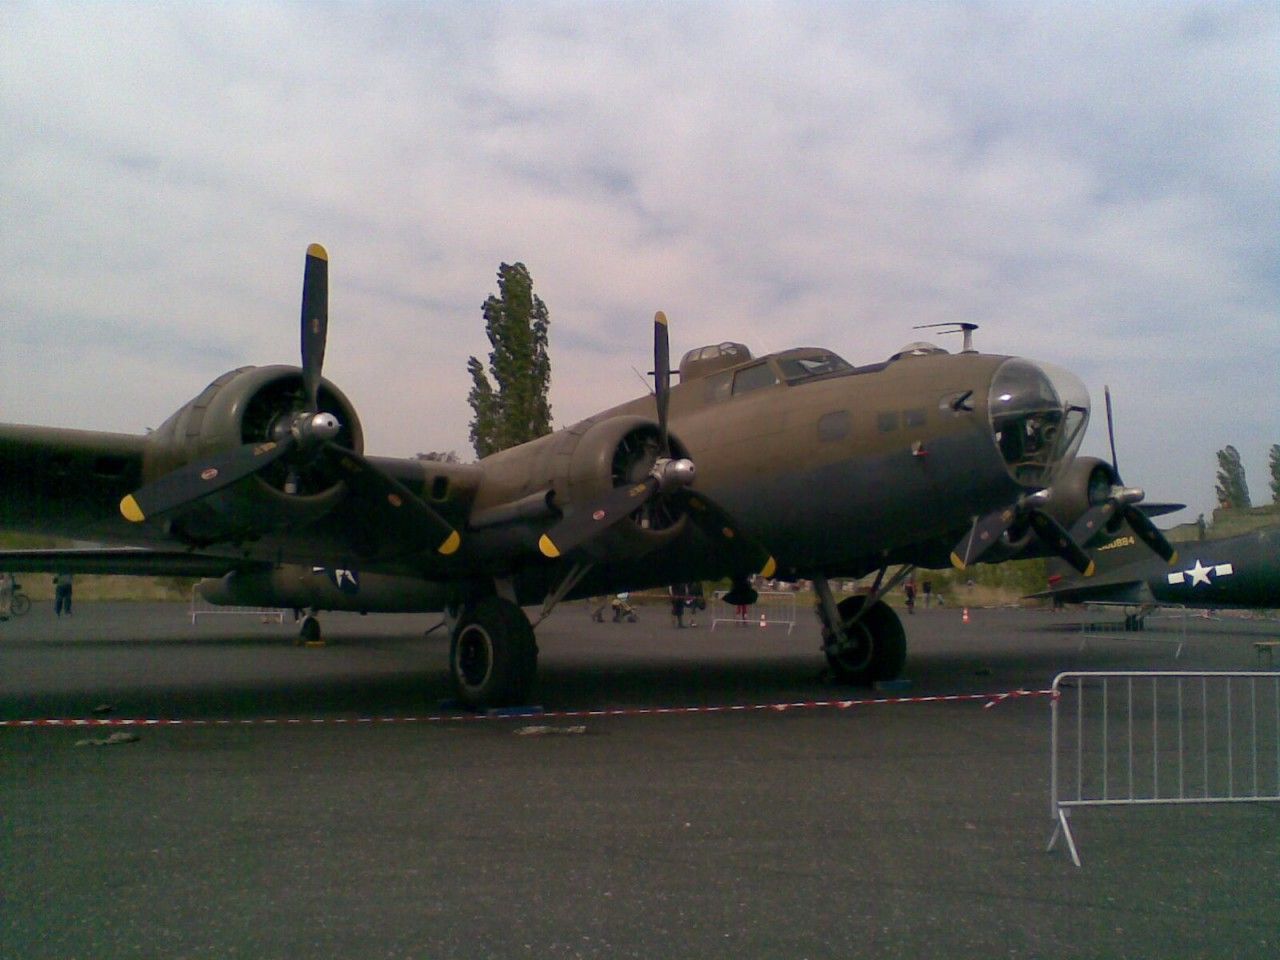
x=1134 y=627
x=200 y=607
x=775 y=608
x=1135 y=738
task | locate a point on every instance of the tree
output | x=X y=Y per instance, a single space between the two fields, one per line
x=1275 y=473
x=1232 y=490
x=513 y=408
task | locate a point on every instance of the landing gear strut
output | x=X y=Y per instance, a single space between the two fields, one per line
x=862 y=636
x=493 y=657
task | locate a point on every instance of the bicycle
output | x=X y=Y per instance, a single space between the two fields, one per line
x=19 y=602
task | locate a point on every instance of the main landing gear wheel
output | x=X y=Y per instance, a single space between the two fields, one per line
x=876 y=646
x=309 y=632
x=493 y=657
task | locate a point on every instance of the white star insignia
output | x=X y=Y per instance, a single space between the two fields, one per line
x=1199 y=574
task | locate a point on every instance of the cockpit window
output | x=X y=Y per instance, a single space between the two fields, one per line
x=753 y=378
x=1038 y=416
x=814 y=365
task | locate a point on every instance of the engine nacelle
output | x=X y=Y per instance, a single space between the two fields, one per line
x=244 y=406
x=582 y=464
x=1084 y=483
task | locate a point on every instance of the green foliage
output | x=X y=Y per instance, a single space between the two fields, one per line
x=1275 y=472
x=1232 y=490
x=513 y=408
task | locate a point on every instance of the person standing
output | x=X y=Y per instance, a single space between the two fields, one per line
x=678 y=593
x=6 y=595
x=910 y=590
x=62 y=594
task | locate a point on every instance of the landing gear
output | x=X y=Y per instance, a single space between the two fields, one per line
x=862 y=636
x=309 y=632
x=493 y=658
x=873 y=648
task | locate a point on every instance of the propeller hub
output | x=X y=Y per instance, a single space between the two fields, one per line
x=673 y=473
x=324 y=426
x=315 y=427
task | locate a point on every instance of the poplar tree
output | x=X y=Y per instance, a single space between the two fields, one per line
x=1232 y=490
x=1275 y=472
x=513 y=408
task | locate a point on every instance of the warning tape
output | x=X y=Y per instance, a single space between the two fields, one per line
x=991 y=700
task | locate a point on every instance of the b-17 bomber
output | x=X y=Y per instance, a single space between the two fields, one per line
x=794 y=465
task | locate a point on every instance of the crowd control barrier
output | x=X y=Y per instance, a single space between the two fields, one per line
x=200 y=607
x=1131 y=738
x=775 y=608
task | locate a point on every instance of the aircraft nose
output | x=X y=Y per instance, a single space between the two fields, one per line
x=1038 y=414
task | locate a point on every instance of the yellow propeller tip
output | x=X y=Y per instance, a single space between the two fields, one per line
x=769 y=569
x=130 y=510
x=317 y=251
x=660 y=317
x=1174 y=558
x=957 y=562
x=1089 y=570
x=450 y=545
x=548 y=548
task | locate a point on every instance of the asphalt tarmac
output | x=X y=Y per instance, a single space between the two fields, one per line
x=323 y=802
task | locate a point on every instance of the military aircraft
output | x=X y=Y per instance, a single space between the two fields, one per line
x=792 y=465
x=1241 y=571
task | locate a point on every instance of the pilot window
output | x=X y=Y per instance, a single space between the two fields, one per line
x=753 y=378
x=717 y=386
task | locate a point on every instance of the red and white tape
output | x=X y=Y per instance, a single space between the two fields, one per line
x=989 y=700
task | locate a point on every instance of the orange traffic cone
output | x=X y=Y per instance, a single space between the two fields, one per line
x=965 y=617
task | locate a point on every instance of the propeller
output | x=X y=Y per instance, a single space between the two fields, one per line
x=301 y=437
x=1124 y=501
x=668 y=477
x=989 y=529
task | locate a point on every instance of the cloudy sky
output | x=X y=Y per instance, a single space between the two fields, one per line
x=1096 y=185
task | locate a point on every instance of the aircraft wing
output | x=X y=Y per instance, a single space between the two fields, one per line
x=124 y=561
x=1085 y=591
x=68 y=483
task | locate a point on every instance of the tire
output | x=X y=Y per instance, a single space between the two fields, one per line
x=309 y=632
x=20 y=605
x=879 y=645
x=493 y=657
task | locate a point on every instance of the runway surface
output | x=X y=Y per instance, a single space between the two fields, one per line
x=381 y=824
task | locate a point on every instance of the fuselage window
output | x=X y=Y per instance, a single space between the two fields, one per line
x=834 y=425
x=887 y=422
x=913 y=418
x=753 y=378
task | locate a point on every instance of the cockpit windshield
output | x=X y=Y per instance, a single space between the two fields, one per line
x=1038 y=415
x=802 y=365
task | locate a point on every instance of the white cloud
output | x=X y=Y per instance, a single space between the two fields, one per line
x=1095 y=184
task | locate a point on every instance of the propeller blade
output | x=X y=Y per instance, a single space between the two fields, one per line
x=1092 y=521
x=315 y=320
x=575 y=530
x=662 y=375
x=714 y=521
x=1149 y=534
x=392 y=505
x=983 y=536
x=1055 y=536
x=187 y=484
x=1111 y=431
